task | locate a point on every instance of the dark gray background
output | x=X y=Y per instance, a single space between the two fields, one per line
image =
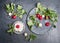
x=53 y=36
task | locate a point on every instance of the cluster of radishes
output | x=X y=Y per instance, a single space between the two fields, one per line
x=40 y=17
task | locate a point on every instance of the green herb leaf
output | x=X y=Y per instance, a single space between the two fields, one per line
x=19 y=7
x=32 y=18
x=11 y=29
x=30 y=23
x=23 y=11
x=54 y=26
x=8 y=8
x=32 y=37
x=12 y=6
x=21 y=16
x=37 y=10
x=30 y=27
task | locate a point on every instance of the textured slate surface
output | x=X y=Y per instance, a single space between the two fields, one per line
x=53 y=36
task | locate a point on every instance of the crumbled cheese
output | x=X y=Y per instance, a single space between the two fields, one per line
x=10 y=14
x=40 y=24
x=43 y=16
x=25 y=34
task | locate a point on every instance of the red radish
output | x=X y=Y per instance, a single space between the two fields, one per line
x=13 y=16
x=39 y=16
x=17 y=26
x=47 y=24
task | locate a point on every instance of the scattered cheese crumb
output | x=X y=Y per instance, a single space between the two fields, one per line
x=40 y=24
x=25 y=34
x=43 y=16
x=10 y=14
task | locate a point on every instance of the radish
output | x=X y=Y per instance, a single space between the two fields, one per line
x=13 y=16
x=47 y=24
x=17 y=26
x=39 y=16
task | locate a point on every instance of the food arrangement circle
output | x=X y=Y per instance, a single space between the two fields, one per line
x=35 y=29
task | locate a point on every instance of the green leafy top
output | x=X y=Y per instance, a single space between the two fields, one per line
x=12 y=8
x=32 y=36
x=46 y=11
x=11 y=29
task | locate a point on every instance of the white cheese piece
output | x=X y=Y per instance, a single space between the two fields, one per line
x=10 y=14
x=43 y=16
x=40 y=24
x=25 y=34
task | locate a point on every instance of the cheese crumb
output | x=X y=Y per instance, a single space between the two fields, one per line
x=40 y=24
x=10 y=14
x=25 y=34
x=43 y=16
